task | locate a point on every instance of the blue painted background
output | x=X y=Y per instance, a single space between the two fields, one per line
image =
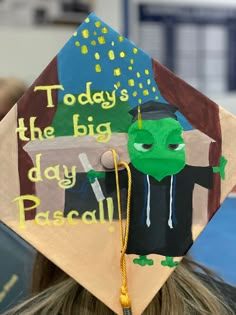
x=216 y=246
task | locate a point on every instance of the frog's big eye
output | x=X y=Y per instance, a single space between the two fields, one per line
x=176 y=146
x=143 y=147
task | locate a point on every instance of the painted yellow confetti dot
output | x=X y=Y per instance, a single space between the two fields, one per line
x=146 y=71
x=132 y=61
x=104 y=30
x=130 y=68
x=140 y=101
x=101 y=40
x=156 y=97
x=120 y=38
x=85 y=33
x=154 y=89
x=145 y=92
x=138 y=74
x=98 y=23
x=111 y=54
x=131 y=82
x=93 y=43
x=87 y=20
x=140 y=85
x=75 y=34
x=84 y=49
x=135 y=50
x=112 y=43
x=97 y=56
x=94 y=33
x=118 y=84
x=135 y=93
x=77 y=43
x=98 y=68
x=122 y=54
x=117 y=72
x=148 y=81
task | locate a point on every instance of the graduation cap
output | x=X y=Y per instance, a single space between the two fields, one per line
x=153 y=110
x=98 y=224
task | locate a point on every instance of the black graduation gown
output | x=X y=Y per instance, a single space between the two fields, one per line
x=170 y=198
x=158 y=237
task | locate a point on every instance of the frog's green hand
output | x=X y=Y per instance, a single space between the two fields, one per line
x=92 y=175
x=221 y=169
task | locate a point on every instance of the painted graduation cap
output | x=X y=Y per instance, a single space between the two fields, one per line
x=57 y=194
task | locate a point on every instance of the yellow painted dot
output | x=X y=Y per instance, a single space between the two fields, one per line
x=117 y=72
x=132 y=61
x=135 y=50
x=140 y=85
x=104 y=30
x=111 y=54
x=94 y=33
x=122 y=54
x=154 y=89
x=93 y=43
x=112 y=43
x=75 y=34
x=140 y=101
x=138 y=74
x=131 y=82
x=111 y=229
x=101 y=40
x=97 y=56
x=148 y=81
x=120 y=38
x=85 y=33
x=146 y=71
x=77 y=43
x=98 y=23
x=98 y=68
x=135 y=93
x=84 y=49
x=118 y=83
x=145 y=92
x=130 y=68
x=156 y=97
x=87 y=20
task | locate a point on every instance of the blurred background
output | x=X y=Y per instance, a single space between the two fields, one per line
x=196 y=39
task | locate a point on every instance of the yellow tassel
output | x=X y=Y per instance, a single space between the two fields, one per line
x=124 y=298
x=140 y=124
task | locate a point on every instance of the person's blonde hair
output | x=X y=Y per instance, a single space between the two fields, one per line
x=184 y=293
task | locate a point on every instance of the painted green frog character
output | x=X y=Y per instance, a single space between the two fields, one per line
x=162 y=185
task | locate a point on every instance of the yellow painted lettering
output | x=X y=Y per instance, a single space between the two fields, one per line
x=69 y=99
x=124 y=95
x=58 y=218
x=21 y=206
x=49 y=89
x=49 y=133
x=34 y=174
x=55 y=172
x=89 y=217
x=21 y=130
x=79 y=130
x=70 y=179
x=104 y=131
x=112 y=100
x=70 y=218
x=42 y=218
x=85 y=98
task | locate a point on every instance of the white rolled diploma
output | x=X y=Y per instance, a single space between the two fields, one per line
x=95 y=186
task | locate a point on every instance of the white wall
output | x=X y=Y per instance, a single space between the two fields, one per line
x=25 y=52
